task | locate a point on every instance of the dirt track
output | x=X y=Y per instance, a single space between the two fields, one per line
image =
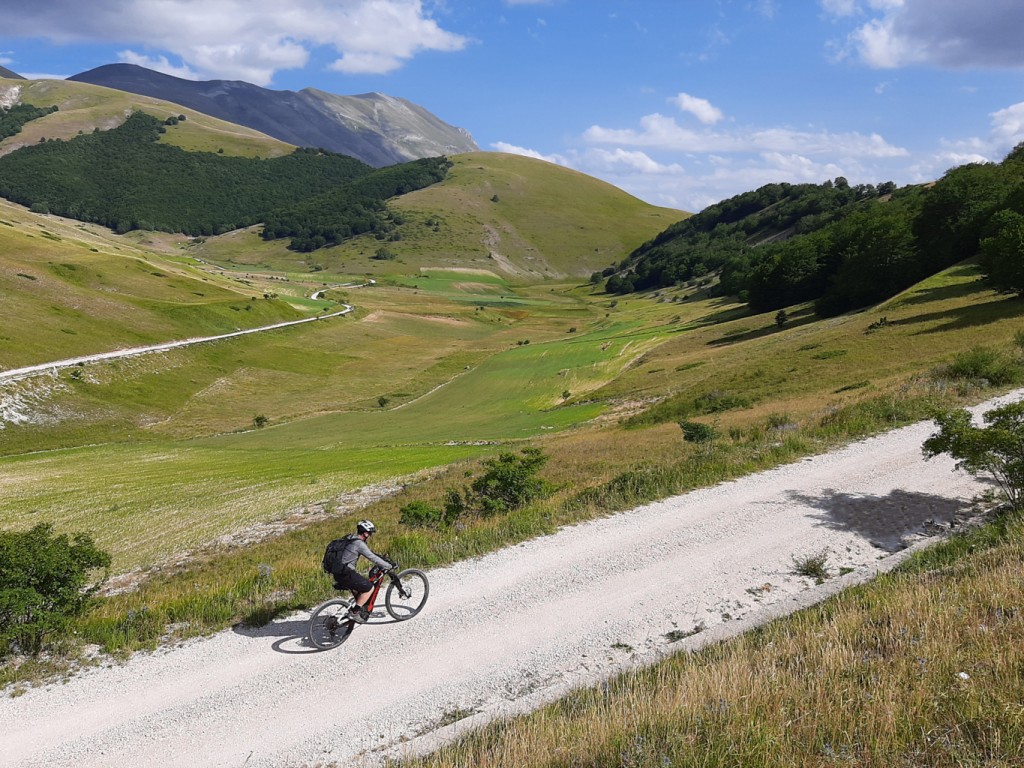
x=504 y=632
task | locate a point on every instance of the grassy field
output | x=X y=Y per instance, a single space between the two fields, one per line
x=70 y=290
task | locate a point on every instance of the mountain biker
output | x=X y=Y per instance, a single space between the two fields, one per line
x=347 y=577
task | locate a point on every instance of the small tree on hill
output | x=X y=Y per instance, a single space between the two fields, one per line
x=510 y=481
x=44 y=583
x=995 y=450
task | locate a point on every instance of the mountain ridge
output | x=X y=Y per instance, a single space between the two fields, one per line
x=376 y=128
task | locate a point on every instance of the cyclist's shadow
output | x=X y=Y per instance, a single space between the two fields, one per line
x=292 y=633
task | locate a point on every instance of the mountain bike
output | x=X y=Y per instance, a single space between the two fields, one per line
x=330 y=624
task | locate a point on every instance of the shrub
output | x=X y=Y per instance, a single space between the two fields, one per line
x=716 y=402
x=996 y=450
x=420 y=514
x=44 y=582
x=695 y=432
x=985 y=363
x=509 y=482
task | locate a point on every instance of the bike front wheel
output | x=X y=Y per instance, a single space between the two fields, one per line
x=407 y=594
x=330 y=626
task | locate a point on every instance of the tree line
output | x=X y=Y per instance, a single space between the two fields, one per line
x=356 y=208
x=11 y=120
x=841 y=246
x=126 y=179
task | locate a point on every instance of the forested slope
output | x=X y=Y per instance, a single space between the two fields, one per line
x=125 y=179
x=841 y=246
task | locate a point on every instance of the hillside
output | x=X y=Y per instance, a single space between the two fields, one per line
x=523 y=219
x=842 y=247
x=375 y=128
x=72 y=289
x=83 y=108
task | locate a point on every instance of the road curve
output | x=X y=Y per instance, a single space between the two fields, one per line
x=501 y=632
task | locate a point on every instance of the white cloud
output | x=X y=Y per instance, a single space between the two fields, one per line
x=702 y=109
x=43 y=76
x=265 y=35
x=659 y=132
x=158 y=64
x=626 y=161
x=512 y=149
x=945 y=33
x=1008 y=126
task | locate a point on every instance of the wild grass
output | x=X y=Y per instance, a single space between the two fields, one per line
x=920 y=667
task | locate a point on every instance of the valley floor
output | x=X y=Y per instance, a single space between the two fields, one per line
x=508 y=631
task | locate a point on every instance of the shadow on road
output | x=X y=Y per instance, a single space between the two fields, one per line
x=883 y=520
x=292 y=634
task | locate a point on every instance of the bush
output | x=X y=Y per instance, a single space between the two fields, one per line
x=695 y=432
x=420 y=514
x=996 y=450
x=984 y=363
x=509 y=482
x=44 y=582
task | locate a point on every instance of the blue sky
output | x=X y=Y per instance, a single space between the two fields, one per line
x=679 y=102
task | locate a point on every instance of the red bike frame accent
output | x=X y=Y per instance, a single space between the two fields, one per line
x=376 y=577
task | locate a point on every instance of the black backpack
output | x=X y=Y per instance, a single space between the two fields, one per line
x=332 y=555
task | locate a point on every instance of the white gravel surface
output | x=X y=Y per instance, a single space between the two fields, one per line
x=505 y=632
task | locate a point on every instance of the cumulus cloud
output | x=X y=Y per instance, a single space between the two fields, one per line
x=626 y=161
x=158 y=64
x=659 y=132
x=702 y=109
x=243 y=39
x=512 y=149
x=945 y=33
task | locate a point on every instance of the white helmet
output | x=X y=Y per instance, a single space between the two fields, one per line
x=365 y=526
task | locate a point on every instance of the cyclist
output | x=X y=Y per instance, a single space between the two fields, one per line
x=347 y=577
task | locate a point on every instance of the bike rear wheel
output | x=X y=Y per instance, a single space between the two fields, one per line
x=330 y=626
x=406 y=601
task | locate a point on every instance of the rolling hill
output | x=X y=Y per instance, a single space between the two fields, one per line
x=83 y=108
x=524 y=219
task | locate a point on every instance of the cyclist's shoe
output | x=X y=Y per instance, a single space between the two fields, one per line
x=358 y=614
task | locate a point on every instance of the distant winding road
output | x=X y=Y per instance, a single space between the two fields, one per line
x=31 y=370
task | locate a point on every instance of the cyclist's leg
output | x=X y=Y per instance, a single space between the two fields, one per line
x=361 y=588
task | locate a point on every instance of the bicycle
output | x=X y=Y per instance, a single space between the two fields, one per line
x=330 y=625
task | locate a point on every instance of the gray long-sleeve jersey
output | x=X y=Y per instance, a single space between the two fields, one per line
x=355 y=548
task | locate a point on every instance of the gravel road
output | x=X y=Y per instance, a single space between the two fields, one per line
x=505 y=632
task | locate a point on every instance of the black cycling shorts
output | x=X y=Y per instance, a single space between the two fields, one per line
x=349 y=578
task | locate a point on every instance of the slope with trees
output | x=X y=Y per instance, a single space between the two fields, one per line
x=842 y=247
x=125 y=179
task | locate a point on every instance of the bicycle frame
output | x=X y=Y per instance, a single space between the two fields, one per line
x=376 y=577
